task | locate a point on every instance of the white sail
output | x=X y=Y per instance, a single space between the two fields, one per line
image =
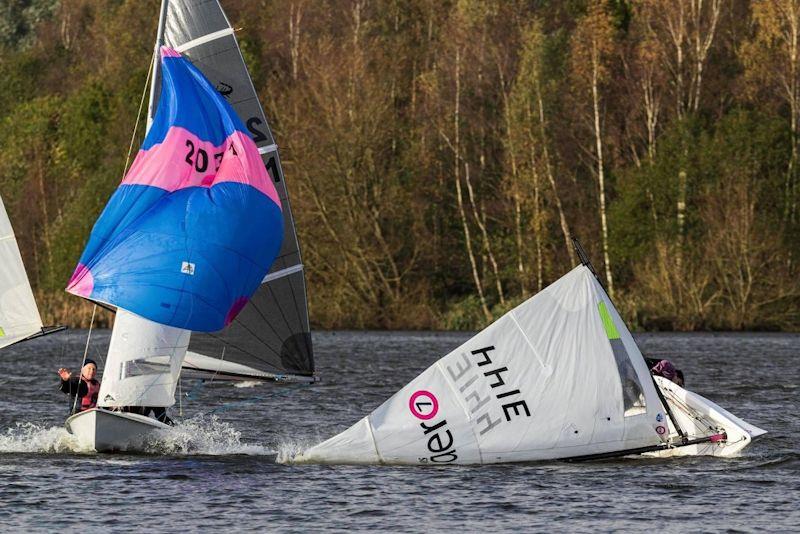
x=559 y=376
x=19 y=316
x=143 y=364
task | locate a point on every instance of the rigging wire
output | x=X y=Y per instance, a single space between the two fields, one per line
x=83 y=361
x=139 y=113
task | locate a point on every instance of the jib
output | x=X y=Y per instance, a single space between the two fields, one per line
x=440 y=443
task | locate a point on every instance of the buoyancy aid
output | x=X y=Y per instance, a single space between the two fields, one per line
x=90 y=399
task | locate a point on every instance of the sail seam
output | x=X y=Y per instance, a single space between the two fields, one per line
x=374 y=442
x=527 y=340
x=203 y=40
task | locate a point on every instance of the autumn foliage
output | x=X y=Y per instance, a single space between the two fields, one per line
x=440 y=155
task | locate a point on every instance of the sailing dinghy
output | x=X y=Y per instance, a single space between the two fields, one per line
x=19 y=316
x=197 y=248
x=558 y=377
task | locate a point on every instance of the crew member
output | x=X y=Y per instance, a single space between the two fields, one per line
x=85 y=387
x=666 y=369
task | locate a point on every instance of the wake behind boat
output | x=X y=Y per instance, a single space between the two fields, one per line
x=558 y=377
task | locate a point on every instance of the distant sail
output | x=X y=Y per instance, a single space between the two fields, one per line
x=19 y=316
x=196 y=224
x=559 y=376
x=271 y=335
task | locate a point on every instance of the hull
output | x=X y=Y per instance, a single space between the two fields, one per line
x=699 y=416
x=106 y=431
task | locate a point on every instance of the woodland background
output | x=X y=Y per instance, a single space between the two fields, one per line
x=441 y=154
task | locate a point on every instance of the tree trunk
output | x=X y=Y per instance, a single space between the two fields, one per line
x=600 y=171
x=551 y=178
x=459 y=196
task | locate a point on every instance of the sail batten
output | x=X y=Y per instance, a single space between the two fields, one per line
x=204 y=39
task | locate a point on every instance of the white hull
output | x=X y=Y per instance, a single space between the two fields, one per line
x=695 y=414
x=106 y=431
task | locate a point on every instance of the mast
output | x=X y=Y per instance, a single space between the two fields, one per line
x=584 y=258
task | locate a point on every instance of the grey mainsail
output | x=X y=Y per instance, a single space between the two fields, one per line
x=271 y=336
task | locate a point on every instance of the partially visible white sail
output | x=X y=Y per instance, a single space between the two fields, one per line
x=19 y=316
x=557 y=377
x=143 y=364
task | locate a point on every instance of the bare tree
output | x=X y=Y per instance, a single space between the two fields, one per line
x=593 y=43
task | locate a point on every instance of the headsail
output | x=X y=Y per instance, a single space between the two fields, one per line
x=271 y=335
x=19 y=316
x=143 y=364
x=196 y=223
x=557 y=377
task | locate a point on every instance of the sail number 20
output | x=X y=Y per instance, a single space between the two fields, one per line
x=199 y=158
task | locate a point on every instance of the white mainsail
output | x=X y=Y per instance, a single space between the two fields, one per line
x=19 y=316
x=557 y=377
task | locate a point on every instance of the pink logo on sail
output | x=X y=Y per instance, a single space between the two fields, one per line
x=423 y=405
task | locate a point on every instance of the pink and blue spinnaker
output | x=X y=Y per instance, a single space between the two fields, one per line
x=196 y=223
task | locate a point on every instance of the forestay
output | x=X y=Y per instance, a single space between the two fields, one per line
x=271 y=334
x=19 y=316
x=143 y=364
x=557 y=377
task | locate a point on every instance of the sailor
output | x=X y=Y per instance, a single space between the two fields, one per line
x=85 y=387
x=666 y=369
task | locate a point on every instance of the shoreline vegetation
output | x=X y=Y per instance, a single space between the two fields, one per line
x=440 y=155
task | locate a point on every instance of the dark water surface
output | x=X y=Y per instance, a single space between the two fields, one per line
x=217 y=469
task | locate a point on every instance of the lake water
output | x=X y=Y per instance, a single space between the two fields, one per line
x=217 y=469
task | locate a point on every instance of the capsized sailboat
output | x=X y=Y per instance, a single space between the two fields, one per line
x=558 y=377
x=19 y=316
x=197 y=238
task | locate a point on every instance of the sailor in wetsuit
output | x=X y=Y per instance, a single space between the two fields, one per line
x=85 y=387
x=666 y=369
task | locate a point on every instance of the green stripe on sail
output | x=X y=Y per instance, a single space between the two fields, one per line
x=608 y=323
x=2 y=332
